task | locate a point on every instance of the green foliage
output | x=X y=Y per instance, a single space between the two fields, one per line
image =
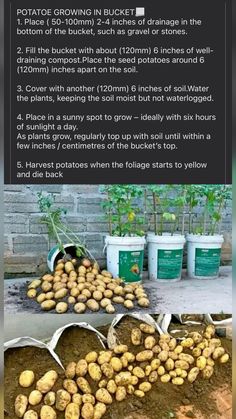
x=122 y=213
x=52 y=218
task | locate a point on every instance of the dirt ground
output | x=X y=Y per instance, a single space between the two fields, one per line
x=204 y=399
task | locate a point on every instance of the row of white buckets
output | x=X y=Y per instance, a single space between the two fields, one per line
x=125 y=256
x=165 y=256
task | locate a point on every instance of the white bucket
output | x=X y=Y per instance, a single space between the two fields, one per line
x=56 y=253
x=165 y=257
x=125 y=257
x=204 y=253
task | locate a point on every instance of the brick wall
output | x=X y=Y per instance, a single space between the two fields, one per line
x=26 y=240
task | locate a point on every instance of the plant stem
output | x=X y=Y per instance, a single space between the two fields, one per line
x=155 y=212
x=56 y=233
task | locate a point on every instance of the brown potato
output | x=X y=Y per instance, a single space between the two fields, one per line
x=94 y=371
x=83 y=385
x=81 y=368
x=70 y=386
x=47 y=412
x=47 y=381
x=26 y=378
x=136 y=336
x=35 y=397
x=50 y=398
x=72 y=411
x=120 y=393
x=79 y=308
x=21 y=404
x=87 y=411
x=63 y=398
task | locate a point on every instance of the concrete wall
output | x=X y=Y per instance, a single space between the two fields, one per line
x=26 y=240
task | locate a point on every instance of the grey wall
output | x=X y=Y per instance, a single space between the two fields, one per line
x=26 y=240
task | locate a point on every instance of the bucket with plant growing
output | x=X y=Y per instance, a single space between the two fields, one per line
x=68 y=244
x=165 y=244
x=125 y=243
x=204 y=241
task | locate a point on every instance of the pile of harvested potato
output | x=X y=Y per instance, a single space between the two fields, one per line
x=84 y=286
x=91 y=384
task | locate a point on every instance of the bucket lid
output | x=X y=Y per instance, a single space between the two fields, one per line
x=139 y=240
x=198 y=238
x=166 y=238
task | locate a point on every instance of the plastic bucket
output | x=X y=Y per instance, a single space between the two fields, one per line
x=204 y=253
x=56 y=254
x=165 y=257
x=125 y=257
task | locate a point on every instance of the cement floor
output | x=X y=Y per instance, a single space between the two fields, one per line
x=185 y=296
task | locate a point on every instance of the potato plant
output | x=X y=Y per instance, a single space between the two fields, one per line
x=118 y=373
x=84 y=287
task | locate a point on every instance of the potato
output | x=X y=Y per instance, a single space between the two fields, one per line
x=165 y=378
x=130 y=297
x=118 y=299
x=50 y=398
x=99 y=410
x=218 y=352
x=74 y=292
x=187 y=343
x=47 y=412
x=104 y=357
x=197 y=337
x=161 y=370
x=138 y=372
x=123 y=378
x=214 y=343
x=165 y=337
x=148 y=370
x=46 y=286
x=91 y=357
x=69 y=267
x=207 y=372
x=201 y=362
x=31 y=414
x=130 y=389
x=156 y=349
x=163 y=356
x=116 y=364
x=136 y=336
x=92 y=305
x=186 y=357
x=87 y=411
x=111 y=386
x=172 y=344
x=134 y=380
x=49 y=295
x=177 y=381
x=146 y=355
x=35 y=397
x=34 y=284
x=145 y=386
x=173 y=374
x=108 y=293
x=224 y=358
x=102 y=383
x=48 y=305
x=31 y=293
x=26 y=378
x=77 y=398
x=72 y=411
x=63 y=398
x=105 y=302
x=120 y=349
x=149 y=342
x=119 y=290
x=94 y=371
x=120 y=393
x=153 y=377
x=193 y=373
x=155 y=364
x=178 y=349
x=164 y=346
x=196 y=352
x=173 y=355
x=81 y=368
x=70 y=370
x=143 y=302
x=207 y=352
x=184 y=365
x=88 y=398
x=87 y=294
x=139 y=393
x=110 y=309
x=47 y=381
x=147 y=328
x=107 y=370
x=58 y=286
x=211 y=362
x=129 y=304
x=60 y=293
x=169 y=365
x=103 y=396
x=47 y=277
x=83 y=385
x=61 y=307
x=21 y=404
x=210 y=331
x=79 y=308
x=41 y=297
x=70 y=386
